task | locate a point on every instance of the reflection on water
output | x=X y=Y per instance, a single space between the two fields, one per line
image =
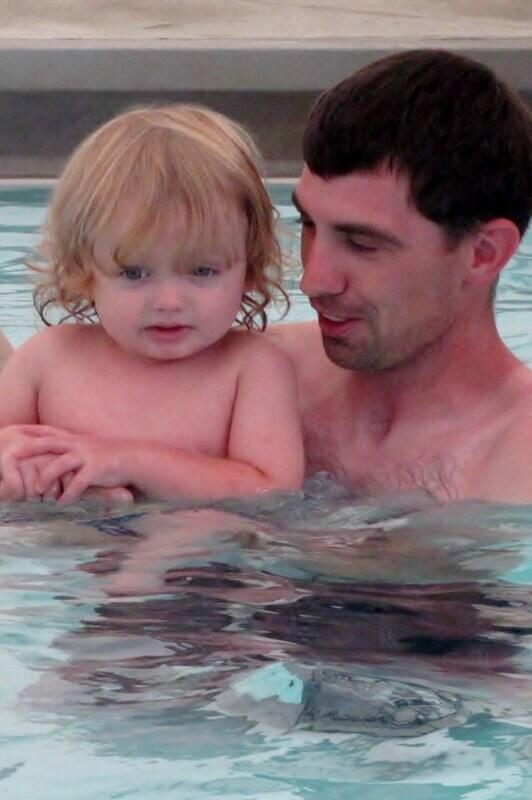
x=311 y=640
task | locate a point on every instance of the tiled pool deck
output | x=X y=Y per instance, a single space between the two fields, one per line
x=67 y=65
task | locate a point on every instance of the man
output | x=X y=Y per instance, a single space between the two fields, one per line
x=416 y=191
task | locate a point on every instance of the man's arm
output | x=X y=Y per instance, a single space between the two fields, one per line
x=264 y=450
x=505 y=475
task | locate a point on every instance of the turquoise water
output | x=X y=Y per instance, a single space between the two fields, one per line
x=308 y=646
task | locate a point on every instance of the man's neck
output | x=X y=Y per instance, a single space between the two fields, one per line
x=450 y=379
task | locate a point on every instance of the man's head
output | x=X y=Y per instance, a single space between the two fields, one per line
x=416 y=190
x=462 y=137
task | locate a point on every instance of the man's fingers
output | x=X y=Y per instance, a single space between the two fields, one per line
x=109 y=496
x=118 y=495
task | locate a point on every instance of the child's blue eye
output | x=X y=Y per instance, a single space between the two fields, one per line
x=133 y=273
x=204 y=272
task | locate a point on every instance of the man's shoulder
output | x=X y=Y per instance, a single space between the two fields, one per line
x=507 y=471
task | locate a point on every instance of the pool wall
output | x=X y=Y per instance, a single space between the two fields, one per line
x=63 y=75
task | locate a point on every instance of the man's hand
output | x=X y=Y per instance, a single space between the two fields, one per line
x=107 y=496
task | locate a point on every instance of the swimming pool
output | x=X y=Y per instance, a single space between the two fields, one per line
x=306 y=646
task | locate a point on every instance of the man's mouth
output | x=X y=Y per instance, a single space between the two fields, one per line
x=332 y=317
x=334 y=324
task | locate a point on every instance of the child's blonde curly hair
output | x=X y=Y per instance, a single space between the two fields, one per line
x=182 y=158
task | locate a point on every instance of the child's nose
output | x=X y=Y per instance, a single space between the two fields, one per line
x=169 y=295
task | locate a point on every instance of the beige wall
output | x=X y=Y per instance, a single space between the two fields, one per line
x=264 y=19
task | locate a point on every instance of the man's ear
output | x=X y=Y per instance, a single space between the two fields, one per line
x=494 y=243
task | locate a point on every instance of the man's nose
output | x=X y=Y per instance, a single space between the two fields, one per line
x=323 y=274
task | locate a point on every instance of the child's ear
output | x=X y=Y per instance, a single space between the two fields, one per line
x=494 y=244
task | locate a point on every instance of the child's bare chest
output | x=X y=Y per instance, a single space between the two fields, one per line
x=186 y=408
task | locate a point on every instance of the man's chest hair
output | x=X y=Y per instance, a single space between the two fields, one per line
x=380 y=471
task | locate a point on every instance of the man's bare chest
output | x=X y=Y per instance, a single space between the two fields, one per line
x=442 y=466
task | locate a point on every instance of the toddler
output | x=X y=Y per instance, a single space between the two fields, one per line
x=159 y=246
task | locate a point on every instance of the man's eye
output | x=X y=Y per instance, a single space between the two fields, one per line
x=204 y=272
x=133 y=273
x=361 y=248
x=305 y=222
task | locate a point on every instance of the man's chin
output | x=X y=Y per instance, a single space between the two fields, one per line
x=350 y=357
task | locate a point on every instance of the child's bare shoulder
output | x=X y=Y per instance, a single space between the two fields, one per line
x=57 y=337
x=53 y=342
x=256 y=350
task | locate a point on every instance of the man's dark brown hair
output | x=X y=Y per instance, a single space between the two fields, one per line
x=460 y=135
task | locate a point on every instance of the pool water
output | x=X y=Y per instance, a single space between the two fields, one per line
x=309 y=645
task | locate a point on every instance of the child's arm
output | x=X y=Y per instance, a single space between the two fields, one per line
x=21 y=438
x=5 y=349
x=264 y=453
x=25 y=445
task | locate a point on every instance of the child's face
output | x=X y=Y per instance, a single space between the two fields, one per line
x=159 y=307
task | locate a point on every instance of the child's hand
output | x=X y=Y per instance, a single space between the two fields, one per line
x=92 y=467
x=24 y=451
x=28 y=473
x=108 y=496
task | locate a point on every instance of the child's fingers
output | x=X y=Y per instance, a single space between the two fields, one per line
x=52 y=492
x=42 y=430
x=56 y=469
x=39 y=446
x=12 y=485
x=29 y=474
x=77 y=486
